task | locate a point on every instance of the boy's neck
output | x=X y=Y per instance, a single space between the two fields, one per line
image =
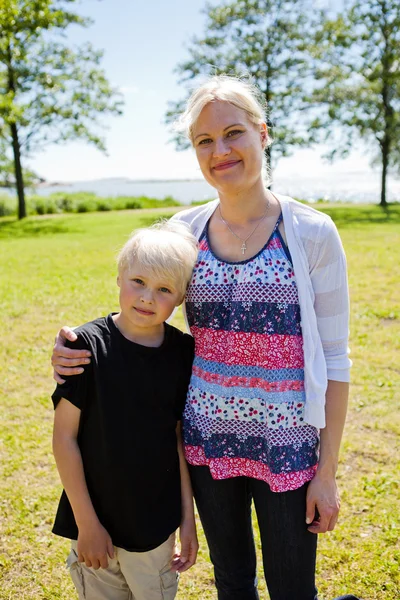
x=151 y=337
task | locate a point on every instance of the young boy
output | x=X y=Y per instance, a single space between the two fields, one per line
x=116 y=436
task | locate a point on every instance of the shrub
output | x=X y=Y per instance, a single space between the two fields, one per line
x=8 y=205
x=80 y=202
x=66 y=204
x=88 y=205
x=103 y=205
x=39 y=205
x=133 y=203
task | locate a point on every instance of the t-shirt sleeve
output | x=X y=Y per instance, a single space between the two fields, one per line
x=75 y=387
x=187 y=363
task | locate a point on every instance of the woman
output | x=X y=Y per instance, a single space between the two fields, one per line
x=268 y=308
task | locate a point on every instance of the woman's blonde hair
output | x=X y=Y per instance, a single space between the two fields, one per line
x=167 y=249
x=238 y=92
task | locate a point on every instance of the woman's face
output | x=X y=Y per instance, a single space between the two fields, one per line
x=229 y=147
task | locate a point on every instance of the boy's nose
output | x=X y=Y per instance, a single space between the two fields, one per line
x=147 y=296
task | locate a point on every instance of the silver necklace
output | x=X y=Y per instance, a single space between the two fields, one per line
x=244 y=240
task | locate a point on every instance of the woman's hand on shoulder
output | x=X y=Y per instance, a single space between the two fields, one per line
x=323 y=504
x=66 y=361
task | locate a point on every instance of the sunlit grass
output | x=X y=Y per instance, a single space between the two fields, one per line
x=60 y=269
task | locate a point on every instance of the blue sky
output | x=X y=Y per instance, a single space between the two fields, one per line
x=143 y=41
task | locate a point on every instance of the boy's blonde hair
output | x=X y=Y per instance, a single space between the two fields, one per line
x=238 y=92
x=167 y=249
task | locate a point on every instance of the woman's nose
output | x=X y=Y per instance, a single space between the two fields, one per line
x=221 y=147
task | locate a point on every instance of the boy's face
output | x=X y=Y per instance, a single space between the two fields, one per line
x=145 y=300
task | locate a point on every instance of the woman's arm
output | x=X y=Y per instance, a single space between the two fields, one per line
x=322 y=493
x=65 y=360
x=328 y=272
x=187 y=530
x=94 y=543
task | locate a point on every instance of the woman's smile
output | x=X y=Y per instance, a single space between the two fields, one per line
x=226 y=165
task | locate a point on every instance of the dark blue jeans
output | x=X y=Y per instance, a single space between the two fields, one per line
x=288 y=549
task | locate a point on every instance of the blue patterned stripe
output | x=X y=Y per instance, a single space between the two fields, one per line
x=223 y=394
x=245 y=371
x=280 y=459
x=243 y=291
x=276 y=437
x=255 y=317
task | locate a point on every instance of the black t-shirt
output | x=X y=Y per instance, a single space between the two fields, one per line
x=130 y=397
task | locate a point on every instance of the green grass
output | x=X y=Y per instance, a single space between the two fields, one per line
x=60 y=269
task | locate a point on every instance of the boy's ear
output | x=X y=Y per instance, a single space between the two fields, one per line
x=179 y=302
x=118 y=281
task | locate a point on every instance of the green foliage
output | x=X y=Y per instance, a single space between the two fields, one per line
x=267 y=40
x=50 y=93
x=358 y=81
x=80 y=202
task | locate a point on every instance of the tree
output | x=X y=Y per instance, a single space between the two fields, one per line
x=266 y=39
x=50 y=93
x=358 y=81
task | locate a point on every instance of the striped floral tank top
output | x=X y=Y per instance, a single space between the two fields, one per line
x=244 y=413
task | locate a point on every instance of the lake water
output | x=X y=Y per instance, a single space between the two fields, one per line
x=356 y=186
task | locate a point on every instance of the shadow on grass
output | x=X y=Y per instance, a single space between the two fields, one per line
x=356 y=215
x=344 y=215
x=10 y=227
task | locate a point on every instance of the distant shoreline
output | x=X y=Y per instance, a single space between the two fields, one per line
x=126 y=180
x=115 y=180
x=358 y=187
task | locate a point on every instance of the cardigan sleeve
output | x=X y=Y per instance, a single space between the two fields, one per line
x=328 y=272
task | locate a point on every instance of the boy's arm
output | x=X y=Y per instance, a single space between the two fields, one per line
x=187 y=530
x=94 y=543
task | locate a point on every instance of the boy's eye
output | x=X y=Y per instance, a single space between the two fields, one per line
x=138 y=280
x=165 y=289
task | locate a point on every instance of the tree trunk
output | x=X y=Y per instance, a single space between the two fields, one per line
x=385 y=160
x=19 y=179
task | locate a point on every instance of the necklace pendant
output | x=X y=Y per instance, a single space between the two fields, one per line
x=244 y=247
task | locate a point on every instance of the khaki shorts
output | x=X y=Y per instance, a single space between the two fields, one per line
x=129 y=576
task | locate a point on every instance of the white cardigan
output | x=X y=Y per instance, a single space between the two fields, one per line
x=319 y=264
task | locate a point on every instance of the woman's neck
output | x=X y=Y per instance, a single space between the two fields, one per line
x=245 y=205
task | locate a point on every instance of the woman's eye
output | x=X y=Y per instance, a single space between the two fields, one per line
x=205 y=141
x=233 y=132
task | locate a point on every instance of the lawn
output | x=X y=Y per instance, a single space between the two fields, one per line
x=60 y=269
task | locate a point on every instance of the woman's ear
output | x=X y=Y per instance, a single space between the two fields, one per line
x=264 y=134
